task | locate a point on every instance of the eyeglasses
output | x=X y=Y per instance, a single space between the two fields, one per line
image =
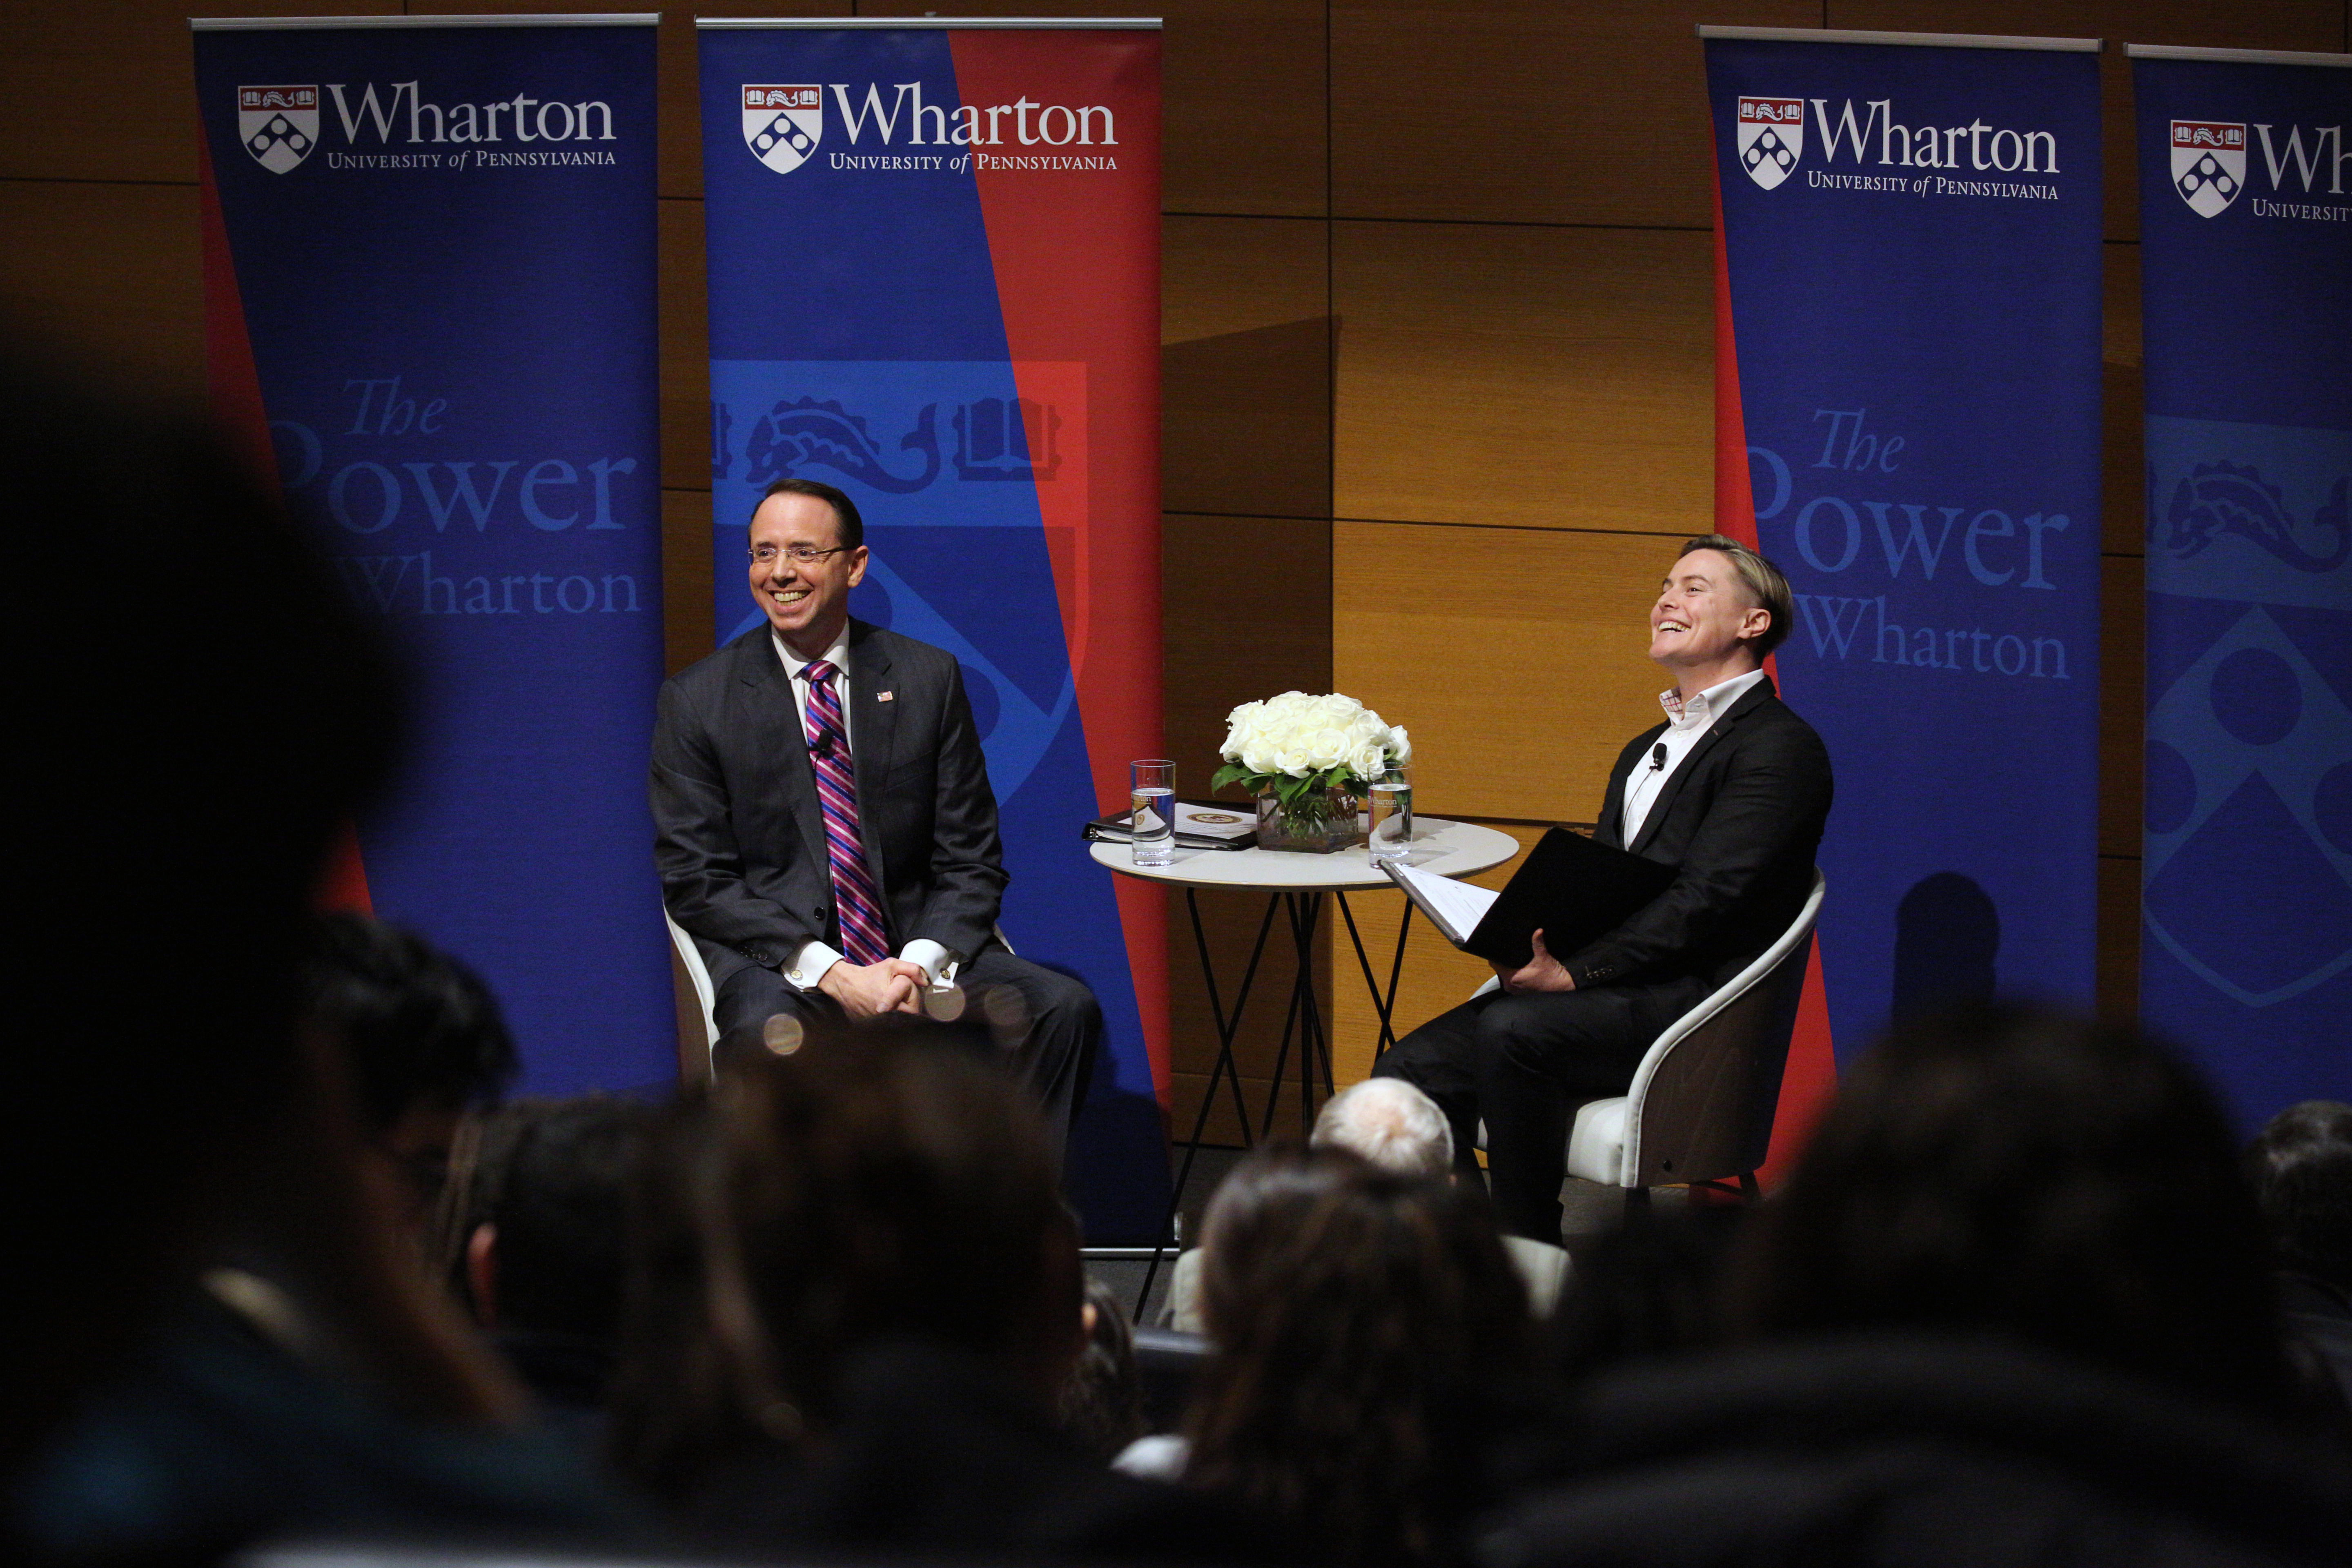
x=801 y=554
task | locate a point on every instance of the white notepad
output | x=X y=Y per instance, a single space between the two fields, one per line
x=1453 y=906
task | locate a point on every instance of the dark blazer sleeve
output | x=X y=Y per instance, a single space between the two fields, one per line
x=694 y=847
x=967 y=868
x=1766 y=795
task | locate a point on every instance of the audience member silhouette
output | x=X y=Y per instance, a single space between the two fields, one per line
x=1396 y=1126
x=856 y=1301
x=1102 y=1402
x=1366 y=1328
x=424 y=1038
x=219 y=1332
x=187 y=770
x=546 y=1262
x=2012 y=1305
x=2301 y=1166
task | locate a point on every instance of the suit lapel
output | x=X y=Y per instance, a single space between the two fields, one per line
x=873 y=735
x=776 y=726
x=1706 y=743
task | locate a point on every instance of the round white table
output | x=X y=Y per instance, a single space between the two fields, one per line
x=1448 y=848
x=1296 y=884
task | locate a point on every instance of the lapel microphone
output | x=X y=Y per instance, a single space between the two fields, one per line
x=1658 y=757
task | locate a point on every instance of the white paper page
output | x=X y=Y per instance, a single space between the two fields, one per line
x=1456 y=907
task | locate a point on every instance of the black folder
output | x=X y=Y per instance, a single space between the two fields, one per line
x=1569 y=888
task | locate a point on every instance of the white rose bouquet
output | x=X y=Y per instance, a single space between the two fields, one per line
x=1304 y=750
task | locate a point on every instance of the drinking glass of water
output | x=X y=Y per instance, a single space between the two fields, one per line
x=1153 y=828
x=1389 y=803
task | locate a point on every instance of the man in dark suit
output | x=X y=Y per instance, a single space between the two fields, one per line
x=1733 y=791
x=824 y=826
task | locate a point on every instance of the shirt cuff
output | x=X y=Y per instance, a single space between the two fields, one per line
x=809 y=964
x=929 y=956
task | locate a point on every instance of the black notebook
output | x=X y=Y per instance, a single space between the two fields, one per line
x=1199 y=825
x=1569 y=888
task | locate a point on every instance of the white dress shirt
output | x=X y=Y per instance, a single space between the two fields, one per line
x=1685 y=722
x=808 y=965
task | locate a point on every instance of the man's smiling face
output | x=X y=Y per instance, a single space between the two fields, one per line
x=807 y=601
x=1701 y=611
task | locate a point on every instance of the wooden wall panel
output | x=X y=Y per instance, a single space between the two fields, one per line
x=111 y=273
x=1224 y=275
x=687 y=636
x=1246 y=612
x=2123 y=501
x=686 y=630
x=2123 y=686
x=104 y=90
x=1243 y=91
x=2249 y=24
x=1527 y=110
x=685 y=309
x=1526 y=377
x=1246 y=366
x=2117 y=988
x=1436 y=975
x=1516 y=657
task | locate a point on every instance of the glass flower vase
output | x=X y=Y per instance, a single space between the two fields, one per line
x=1319 y=822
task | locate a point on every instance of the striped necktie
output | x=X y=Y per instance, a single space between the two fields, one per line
x=854 y=892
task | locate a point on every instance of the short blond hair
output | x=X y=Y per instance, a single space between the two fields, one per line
x=1760 y=578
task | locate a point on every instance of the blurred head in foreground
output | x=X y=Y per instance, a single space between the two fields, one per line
x=546 y=1253
x=870 y=1189
x=198 y=711
x=1101 y=1405
x=422 y=1034
x=2301 y=1164
x=1362 y=1321
x=2061 y=1183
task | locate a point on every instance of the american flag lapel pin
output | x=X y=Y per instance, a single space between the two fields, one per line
x=884 y=696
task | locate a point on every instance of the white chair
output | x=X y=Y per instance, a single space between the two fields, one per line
x=689 y=957
x=1699 y=1111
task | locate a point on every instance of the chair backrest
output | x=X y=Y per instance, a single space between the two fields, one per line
x=1701 y=1104
x=690 y=958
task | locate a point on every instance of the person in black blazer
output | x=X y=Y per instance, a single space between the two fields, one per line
x=742 y=841
x=1733 y=791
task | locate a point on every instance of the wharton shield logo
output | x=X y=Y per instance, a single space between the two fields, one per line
x=1771 y=138
x=2209 y=164
x=278 y=125
x=783 y=125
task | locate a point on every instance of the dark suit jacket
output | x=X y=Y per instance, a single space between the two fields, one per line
x=738 y=834
x=1741 y=817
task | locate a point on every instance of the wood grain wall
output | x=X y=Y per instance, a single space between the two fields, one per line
x=1437 y=350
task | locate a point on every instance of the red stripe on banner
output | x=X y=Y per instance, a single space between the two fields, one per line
x=231 y=381
x=344 y=885
x=1077 y=256
x=1812 y=1074
x=232 y=385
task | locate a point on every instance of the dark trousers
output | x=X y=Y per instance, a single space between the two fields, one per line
x=1053 y=1056
x=1523 y=1064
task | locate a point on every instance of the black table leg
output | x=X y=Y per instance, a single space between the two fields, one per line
x=1382 y=1003
x=1228 y=1025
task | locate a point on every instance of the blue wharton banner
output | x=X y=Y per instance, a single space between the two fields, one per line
x=1911 y=237
x=434 y=280
x=2246 y=230
x=934 y=281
